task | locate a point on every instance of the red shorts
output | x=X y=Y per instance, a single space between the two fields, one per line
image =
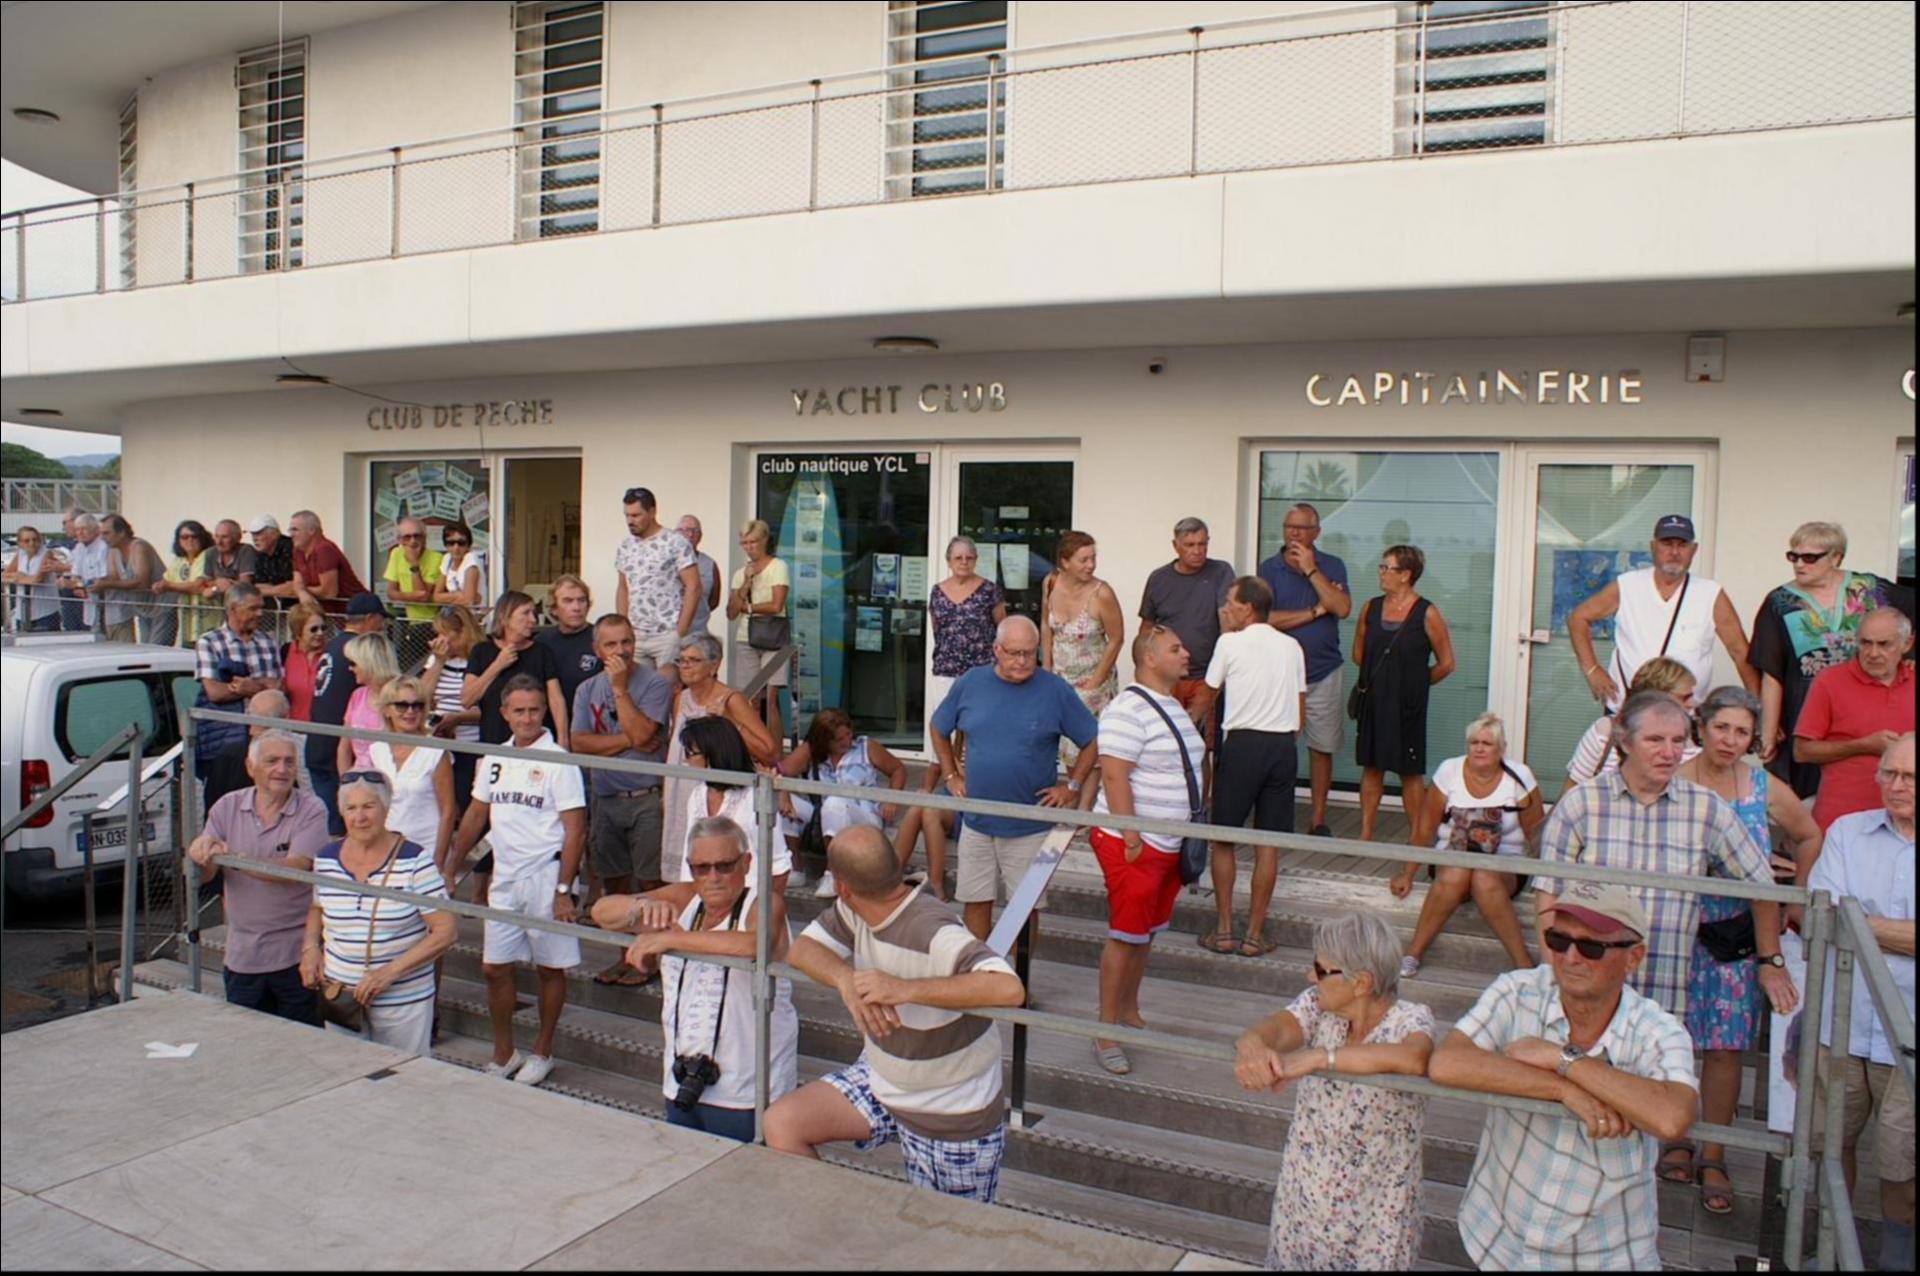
x=1140 y=895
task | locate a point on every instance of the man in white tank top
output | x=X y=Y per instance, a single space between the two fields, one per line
x=1660 y=610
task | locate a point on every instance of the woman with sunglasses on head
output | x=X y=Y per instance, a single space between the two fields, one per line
x=1805 y=626
x=714 y=743
x=702 y=695
x=420 y=776
x=1402 y=647
x=370 y=657
x=463 y=569
x=1348 y=1195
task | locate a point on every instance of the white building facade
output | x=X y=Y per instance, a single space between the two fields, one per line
x=1506 y=282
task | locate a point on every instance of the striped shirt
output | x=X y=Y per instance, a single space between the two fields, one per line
x=938 y=1073
x=1688 y=831
x=446 y=696
x=1543 y=1196
x=347 y=917
x=1131 y=731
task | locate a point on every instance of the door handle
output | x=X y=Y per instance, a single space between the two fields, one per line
x=1537 y=638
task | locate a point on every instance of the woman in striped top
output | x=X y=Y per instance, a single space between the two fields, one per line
x=455 y=634
x=382 y=948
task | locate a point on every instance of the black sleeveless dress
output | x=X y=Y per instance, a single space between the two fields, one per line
x=1393 y=717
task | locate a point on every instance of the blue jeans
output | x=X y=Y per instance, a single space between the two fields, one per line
x=275 y=992
x=728 y=1123
x=326 y=787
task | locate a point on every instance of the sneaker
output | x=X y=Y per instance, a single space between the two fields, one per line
x=1409 y=967
x=823 y=889
x=507 y=1069
x=1320 y=830
x=538 y=1068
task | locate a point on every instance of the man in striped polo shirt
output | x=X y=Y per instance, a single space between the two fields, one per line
x=908 y=970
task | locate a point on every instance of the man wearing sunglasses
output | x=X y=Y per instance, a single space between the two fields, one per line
x=1577 y=1188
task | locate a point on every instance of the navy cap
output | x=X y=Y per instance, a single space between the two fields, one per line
x=366 y=604
x=1674 y=527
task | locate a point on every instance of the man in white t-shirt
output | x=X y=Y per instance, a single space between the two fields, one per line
x=659 y=587
x=538 y=812
x=1264 y=674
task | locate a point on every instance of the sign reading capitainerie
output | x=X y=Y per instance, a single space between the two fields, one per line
x=1558 y=386
x=494 y=413
x=884 y=400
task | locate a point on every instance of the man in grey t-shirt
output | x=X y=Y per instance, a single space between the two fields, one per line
x=1186 y=596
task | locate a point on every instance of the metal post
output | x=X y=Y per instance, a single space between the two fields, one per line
x=1686 y=35
x=765 y=806
x=87 y=905
x=1838 y=1051
x=1193 y=103
x=813 y=154
x=130 y=876
x=393 y=187
x=100 y=244
x=659 y=159
x=1019 y=1118
x=188 y=278
x=1818 y=918
x=189 y=808
x=1420 y=100
x=20 y=257
x=993 y=116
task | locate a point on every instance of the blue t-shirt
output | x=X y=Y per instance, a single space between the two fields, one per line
x=1013 y=738
x=1292 y=591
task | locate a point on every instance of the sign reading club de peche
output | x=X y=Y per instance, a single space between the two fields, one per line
x=493 y=413
x=1420 y=389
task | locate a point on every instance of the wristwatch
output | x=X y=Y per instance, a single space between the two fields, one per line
x=1570 y=1054
x=1775 y=959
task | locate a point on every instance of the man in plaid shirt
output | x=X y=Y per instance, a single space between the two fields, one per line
x=1573 y=1190
x=232 y=663
x=1641 y=817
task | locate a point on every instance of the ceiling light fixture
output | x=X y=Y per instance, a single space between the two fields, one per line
x=50 y=412
x=906 y=345
x=1904 y=310
x=34 y=115
x=301 y=378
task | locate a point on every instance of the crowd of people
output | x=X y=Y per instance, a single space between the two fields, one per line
x=1612 y=992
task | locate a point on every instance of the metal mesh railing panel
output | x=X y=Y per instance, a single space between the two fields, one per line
x=1784 y=65
x=1323 y=100
x=456 y=201
x=744 y=164
x=626 y=179
x=1101 y=122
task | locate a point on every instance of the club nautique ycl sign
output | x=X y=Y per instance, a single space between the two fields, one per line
x=1558 y=386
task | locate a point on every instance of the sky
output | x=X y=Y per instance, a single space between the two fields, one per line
x=20 y=188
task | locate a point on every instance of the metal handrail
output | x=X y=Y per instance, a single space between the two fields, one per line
x=1837 y=1202
x=1887 y=1001
x=93 y=760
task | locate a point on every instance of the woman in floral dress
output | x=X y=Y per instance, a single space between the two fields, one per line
x=1081 y=638
x=1348 y=1197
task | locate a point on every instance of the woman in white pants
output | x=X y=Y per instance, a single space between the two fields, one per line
x=832 y=754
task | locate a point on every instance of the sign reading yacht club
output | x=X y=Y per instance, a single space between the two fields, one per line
x=1553 y=386
x=888 y=400
x=493 y=413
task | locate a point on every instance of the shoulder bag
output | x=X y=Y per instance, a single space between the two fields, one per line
x=1195 y=852
x=337 y=1003
x=1357 y=698
x=766 y=633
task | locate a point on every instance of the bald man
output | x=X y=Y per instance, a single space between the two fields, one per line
x=1014 y=714
x=411 y=571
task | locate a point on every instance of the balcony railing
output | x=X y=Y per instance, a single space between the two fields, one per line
x=1350 y=84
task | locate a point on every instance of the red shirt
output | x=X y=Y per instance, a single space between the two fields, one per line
x=299 y=668
x=325 y=556
x=1845 y=704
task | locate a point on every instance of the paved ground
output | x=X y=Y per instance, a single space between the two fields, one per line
x=183 y=1163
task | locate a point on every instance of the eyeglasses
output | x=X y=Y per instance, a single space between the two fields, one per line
x=406 y=706
x=1807 y=557
x=716 y=868
x=1299 y=527
x=1591 y=949
x=1894 y=779
x=1391 y=567
x=413 y=536
x=637 y=496
x=1321 y=972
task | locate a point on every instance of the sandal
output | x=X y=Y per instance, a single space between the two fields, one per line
x=1222 y=942
x=1670 y=1169
x=621 y=975
x=1113 y=1059
x=1251 y=947
x=1714 y=1200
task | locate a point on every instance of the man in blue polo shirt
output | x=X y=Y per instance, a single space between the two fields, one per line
x=1310 y=600
x=1013 y=714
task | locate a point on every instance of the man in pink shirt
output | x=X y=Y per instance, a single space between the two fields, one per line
x=1853 y=712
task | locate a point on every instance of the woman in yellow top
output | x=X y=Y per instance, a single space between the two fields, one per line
x=759 y=589
x=184 y=579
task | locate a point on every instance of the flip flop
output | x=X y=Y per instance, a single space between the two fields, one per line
x=1670 y=1169
x=1714 y=1200
x=1259 y=947
x=1214 y=941
x=1113 y=1059
x=621 y=976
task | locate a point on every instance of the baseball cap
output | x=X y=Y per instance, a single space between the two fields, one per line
x=1674 y=527
x=1603 y=907
x=366 y=604
x=262 y=522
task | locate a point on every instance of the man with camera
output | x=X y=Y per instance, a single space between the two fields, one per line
x=706 y=1010
x=908 y=971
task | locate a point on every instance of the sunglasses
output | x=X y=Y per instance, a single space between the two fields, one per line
x=1321 y=972
x=1591 y=949
x=454 y=542
x=637 y=496
x=1808 y=557
x=717 y=868
x=406 y=706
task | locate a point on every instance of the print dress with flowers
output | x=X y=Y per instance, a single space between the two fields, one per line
x=1348 y=1198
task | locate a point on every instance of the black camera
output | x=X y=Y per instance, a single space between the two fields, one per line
x=693 y=1073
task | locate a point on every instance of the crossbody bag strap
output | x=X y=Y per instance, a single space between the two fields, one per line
x=393 y=857
x=1679 y=605
x=1186 y=759
x=1380 y=617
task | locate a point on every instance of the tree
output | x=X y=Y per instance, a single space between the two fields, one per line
x=18 y=461
x=111 y=470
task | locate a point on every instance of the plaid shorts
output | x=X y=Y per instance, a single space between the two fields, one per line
x=968 y=1168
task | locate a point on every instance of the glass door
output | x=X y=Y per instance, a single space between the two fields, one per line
x=1015 y=510
x=540 y=529
x=439 y=491
x=1590 y=518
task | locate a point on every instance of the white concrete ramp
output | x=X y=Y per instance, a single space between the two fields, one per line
x=276 y=1146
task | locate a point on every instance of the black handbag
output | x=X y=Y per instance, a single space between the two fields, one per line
x=1730 y=939
x=1195 y=852
x=768 y=633
x=813 y=839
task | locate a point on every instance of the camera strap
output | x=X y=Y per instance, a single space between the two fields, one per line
x=680 y=984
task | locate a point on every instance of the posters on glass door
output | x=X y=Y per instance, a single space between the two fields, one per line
x=439 y=492
x=913 y=578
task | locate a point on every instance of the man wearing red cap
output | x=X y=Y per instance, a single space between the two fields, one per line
x=1574 y=1189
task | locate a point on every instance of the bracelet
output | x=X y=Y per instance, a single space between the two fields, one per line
x=1589 y=669
x=1313 y=573
x=1330 y=1052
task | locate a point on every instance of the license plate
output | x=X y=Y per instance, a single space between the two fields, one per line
x=108 y=836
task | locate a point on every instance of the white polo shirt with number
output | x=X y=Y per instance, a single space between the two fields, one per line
x=524 y=797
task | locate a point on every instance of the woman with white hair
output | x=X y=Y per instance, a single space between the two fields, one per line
x=420 y=775
x=371 y=958
x=1807 y=625
x=1348 y=1196
x=1482 y=802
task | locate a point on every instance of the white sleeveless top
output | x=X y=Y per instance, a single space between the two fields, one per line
x=687 y=1014
x=1640 y=626
x=415 y=813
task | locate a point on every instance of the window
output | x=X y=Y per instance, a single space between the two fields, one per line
x=1447 y=504
x=272 y=83
x=560 y=82
x=1904 y=529
x=937 y=136
x=129 y=180
x=439 y=491
x=1474 y=74
x=89 y=713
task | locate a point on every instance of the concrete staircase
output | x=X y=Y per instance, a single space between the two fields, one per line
x=1175 y=1151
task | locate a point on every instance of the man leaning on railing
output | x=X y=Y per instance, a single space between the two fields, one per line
x=1868 y=856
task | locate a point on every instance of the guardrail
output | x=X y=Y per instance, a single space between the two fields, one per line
x=1337 y=85
x=1805 y=1178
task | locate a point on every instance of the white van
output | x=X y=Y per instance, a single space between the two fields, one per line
x=61 y=699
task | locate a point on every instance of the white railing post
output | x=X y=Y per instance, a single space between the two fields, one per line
x=100 y=244
x=393 y=192
x=993 y=118
x=1193 y=103
x=1686 y=53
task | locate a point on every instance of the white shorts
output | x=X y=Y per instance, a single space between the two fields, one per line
x=532 y=895
x=838 y=814
x=658 y=650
